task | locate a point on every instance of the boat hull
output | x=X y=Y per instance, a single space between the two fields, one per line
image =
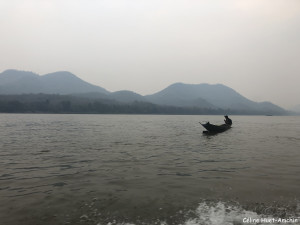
x=211 y=128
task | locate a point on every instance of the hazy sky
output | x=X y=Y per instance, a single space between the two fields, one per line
x=252 y=46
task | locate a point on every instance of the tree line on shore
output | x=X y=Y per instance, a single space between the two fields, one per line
x=45 y=103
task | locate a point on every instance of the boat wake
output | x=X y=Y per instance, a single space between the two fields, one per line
x=221 y=213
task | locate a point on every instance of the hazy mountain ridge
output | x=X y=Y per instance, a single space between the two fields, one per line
x=212 y=96
x=296 y=108
x=177 y=94
x=62 y=82
x=10 y=76
x=127 y=96
x=205 y=96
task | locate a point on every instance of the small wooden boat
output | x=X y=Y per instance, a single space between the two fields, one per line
x=211 y=128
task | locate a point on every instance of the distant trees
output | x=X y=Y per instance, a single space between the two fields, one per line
x=44 y=103
x=13 y=106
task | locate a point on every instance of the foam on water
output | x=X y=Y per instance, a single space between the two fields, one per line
x=221 y=213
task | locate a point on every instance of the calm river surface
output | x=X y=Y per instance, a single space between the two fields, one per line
x=148 y=169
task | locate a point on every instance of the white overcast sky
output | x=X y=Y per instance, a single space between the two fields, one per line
x=252 y=46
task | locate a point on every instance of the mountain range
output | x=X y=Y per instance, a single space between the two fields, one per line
x=205 y=96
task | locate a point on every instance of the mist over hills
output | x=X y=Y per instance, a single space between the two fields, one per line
x=63 y=82
x=296 y=108
x=192 y=98
x=211 y=96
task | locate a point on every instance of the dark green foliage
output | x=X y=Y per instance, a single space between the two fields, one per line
x=44 y=103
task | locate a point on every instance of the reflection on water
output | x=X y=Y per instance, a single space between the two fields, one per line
x=145 y=168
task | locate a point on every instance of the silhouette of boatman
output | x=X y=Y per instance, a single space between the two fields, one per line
x=227 y=120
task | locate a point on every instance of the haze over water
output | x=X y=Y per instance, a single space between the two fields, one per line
x=147 y=169
x=144 y=46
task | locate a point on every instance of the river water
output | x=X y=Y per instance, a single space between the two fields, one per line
x=148 y=169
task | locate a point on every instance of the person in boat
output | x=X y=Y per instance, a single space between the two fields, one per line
x=227 y=120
